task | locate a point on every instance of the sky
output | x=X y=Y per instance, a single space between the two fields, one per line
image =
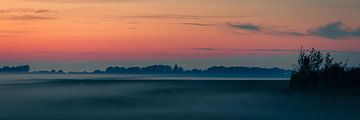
x=77 y=35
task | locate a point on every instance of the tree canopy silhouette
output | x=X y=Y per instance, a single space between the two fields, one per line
x=213 y=71
x=318 y=72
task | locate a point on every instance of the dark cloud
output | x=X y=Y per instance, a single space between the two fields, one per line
x=335 y=30
x=198 y=24
x=206 y=49
x=246 y=26
x=260 y=29
x=43 y=11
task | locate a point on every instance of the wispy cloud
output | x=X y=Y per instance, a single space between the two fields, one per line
x=258 y=50
x=337 y=3
x=334 y=30
x=199 y=24
x=165 y=16
x=271 y=50
x=86 y=1
x=245 y=26
x=261 y=29
x=27 y=17
x=11 y=33
x=7 y=36
x=73 y=53
x=206 y=49
x=24 y=10
x=26 y=14
x=291 y=51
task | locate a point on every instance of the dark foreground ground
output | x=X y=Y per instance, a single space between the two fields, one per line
x=167 y=100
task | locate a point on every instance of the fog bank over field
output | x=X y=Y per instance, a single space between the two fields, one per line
x=108 y=97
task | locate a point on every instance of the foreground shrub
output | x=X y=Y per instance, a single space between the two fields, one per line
x=316 y=72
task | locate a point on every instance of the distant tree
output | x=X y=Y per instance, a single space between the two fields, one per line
x=60 y=71
x=97 y=71
x=133 y=70
x=16 y=69
x=157 y=69
x=115 y=70
x=195 y=71
x=178 y=69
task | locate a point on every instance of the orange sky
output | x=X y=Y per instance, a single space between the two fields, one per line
x=168 y=30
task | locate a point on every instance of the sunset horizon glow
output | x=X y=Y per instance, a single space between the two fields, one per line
x=88 y=34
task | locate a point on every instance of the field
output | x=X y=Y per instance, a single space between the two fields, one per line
x=80 y=98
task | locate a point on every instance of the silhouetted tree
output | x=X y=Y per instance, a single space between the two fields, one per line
x=97 y=72
x=317 y=73
x=178 y=69
x=60 y=71
x=133 y=70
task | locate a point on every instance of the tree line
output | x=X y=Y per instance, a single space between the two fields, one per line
x=214 y=70
x=166 y=69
